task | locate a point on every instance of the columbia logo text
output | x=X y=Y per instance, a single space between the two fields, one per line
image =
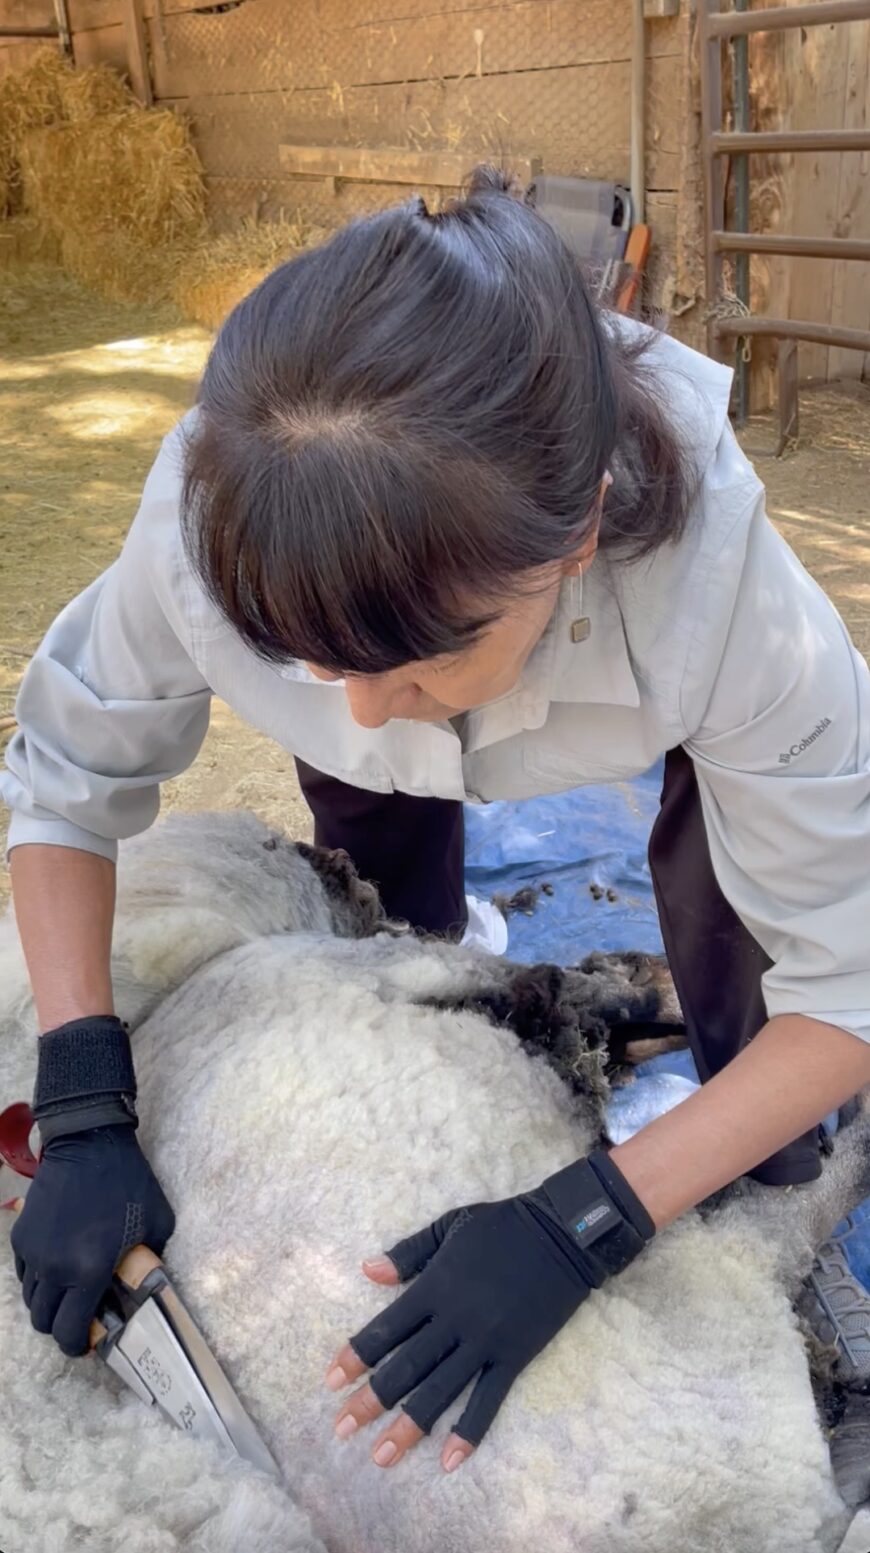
x=797 y=749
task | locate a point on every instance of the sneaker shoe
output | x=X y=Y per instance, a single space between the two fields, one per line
x=837 y=1308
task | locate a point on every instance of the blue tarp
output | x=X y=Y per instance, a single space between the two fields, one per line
x=592 y=836
x=589 y=845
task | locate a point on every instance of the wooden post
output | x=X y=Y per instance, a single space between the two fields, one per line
x=137 y=51
x=63 y=29
x=787 y=367
x=714 y=181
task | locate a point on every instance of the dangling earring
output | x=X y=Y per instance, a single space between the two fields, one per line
x=581 y=625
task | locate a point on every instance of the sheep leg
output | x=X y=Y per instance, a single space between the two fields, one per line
x=582 y=1020
x=621 y=1000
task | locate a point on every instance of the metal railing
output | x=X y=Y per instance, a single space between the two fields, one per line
x=716 y=143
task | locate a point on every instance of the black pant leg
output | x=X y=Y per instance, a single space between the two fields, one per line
x=716 y=964
x=413 y=849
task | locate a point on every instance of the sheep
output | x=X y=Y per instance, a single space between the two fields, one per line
x=315 y=1083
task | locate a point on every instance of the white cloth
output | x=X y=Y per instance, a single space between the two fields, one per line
x=486 y=927
x=721 y=643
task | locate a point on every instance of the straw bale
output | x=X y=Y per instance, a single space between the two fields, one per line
x=136 y=171
x=29 y=98
x=118 y=192
x=24 y=240
x=84 y=94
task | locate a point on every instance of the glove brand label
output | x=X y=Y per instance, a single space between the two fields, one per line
x=599 y=1217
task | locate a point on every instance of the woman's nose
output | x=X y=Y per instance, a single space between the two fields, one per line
x=325 y=675
x=371 y=701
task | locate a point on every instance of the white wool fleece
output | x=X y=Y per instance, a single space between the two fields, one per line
x=302 y=1110
x=83 y=1465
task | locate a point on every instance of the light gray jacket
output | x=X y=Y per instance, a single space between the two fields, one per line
x=721 y=643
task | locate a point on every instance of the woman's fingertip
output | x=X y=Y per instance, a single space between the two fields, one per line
x=380 y=1269
x=454 y=1460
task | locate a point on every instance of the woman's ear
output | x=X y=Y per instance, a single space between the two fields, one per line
x=581 y=558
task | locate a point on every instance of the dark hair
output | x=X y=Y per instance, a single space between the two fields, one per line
x=395 y=426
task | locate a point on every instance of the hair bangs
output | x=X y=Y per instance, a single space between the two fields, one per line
x=350 y=619
x=375 y=559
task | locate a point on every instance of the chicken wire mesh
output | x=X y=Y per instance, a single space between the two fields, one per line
x=542 y=78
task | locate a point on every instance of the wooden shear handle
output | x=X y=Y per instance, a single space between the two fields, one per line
x=132 y=1270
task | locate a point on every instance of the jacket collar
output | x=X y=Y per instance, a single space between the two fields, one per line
x=596 y=672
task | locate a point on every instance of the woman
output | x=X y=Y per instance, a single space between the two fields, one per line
x=446 y=533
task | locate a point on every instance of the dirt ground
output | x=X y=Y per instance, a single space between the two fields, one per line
x=88 y=389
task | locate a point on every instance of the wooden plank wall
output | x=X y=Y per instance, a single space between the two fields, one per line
x=850 y=286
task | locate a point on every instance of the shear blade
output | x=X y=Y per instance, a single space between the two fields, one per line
x=149 y=1347
x=243 y=1435
x=160 y=1354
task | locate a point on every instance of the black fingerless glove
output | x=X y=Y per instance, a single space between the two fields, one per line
x=94 y=1195
x=497 y=1282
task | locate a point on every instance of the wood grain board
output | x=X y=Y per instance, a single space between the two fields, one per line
x=264 y=44
x=442 y=169
x=552 y=115
x=850 y=285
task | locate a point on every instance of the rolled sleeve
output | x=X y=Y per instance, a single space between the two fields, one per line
x=111 y=705
x=41 y=828
x=782 y=756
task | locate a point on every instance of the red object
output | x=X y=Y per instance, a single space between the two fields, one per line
x=16 y=1125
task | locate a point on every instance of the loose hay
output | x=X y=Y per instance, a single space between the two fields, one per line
x=205 y=278
x=118 y=267
x=214 y=276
